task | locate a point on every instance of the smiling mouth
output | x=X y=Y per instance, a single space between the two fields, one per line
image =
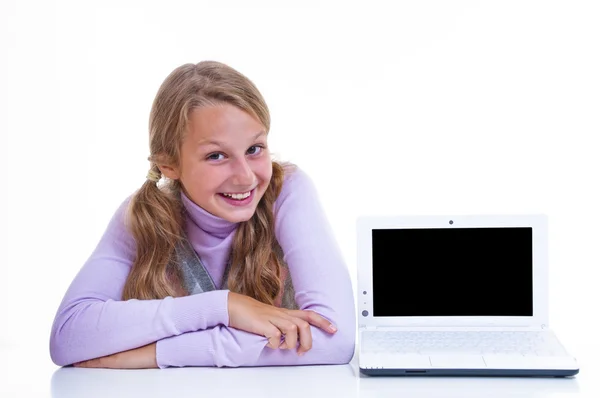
x=237 y=196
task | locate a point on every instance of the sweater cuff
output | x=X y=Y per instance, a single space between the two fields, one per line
x=200 y=311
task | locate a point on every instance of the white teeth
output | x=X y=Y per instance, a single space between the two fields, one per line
x=238 y=196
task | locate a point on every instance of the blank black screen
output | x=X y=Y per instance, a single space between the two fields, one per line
x=453 y=272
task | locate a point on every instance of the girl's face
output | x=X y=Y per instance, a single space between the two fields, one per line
x=225 y=165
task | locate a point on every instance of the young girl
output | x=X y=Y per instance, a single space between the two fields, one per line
x=222 y=258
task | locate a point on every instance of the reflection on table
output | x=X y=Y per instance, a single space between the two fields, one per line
x=299 y=381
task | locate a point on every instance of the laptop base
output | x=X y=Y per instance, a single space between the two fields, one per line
x=472 y=372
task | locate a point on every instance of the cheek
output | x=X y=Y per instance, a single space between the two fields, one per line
x=266 y=171
x=199 y=181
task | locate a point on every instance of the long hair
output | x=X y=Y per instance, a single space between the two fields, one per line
x=155 y=216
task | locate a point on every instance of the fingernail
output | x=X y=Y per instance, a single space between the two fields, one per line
x=282 y=345
x=300 y=353
x=332 y=328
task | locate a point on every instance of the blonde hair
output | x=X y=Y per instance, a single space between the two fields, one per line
x=155 y=215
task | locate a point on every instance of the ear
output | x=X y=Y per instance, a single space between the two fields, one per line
x=169 y=171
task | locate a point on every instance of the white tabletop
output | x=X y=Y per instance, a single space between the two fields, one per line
x=30 y=373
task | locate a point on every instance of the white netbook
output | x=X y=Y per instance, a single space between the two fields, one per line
x=464 y=295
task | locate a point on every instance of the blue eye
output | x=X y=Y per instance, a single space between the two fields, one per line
x=258 y=148
x=211 y=156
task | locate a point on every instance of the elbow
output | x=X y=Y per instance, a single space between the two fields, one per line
x=340 y=347
x=58 y=357
x=59 y=349
x=62 y=341
x=344 y=342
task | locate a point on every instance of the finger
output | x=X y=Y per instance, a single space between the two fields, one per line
x=273 y=334
x=289 y=330
x=314 y=319
x=304 y=335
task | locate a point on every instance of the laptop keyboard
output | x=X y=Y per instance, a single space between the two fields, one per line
x=461 y=342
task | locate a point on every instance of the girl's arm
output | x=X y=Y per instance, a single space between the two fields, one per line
x=92 y=321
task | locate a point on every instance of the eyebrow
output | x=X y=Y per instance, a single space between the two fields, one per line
x=219 y=143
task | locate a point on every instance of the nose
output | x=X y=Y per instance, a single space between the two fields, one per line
x=243 y=175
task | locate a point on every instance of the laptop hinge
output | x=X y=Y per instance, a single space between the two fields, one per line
x=368 y=327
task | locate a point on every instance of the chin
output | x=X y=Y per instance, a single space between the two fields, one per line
x=239 y=217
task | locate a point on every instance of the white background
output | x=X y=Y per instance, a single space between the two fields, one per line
x=415 y=107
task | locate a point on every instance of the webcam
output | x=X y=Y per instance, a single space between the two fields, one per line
x=450 y=222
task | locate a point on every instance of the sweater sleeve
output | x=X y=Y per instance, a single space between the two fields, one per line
x=321 y=282
x=92 y=320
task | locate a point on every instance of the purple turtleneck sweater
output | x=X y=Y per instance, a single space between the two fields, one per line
x=92 y=320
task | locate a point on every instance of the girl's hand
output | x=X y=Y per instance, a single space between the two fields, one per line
x=138 y=358
x=246 y=313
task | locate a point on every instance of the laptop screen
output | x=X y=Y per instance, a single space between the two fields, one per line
x=453 y=272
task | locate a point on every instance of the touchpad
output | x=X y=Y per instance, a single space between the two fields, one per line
x=457 y=361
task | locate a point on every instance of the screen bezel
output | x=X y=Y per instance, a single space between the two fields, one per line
x=365 y=225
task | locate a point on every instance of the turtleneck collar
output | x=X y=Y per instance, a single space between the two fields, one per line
x=209 y=223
